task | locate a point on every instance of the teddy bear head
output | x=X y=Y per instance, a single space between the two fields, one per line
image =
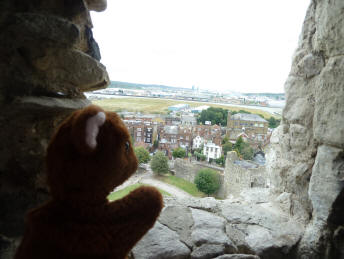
x=89 y=155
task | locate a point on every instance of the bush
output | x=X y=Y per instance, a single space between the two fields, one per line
x=159 y=163
x=227 y=147
x=200 y=156
x=207 y=181
x=247 y=152
x=243 y=149
x=179 y=152
x=221 y=161
x=142 y=155
x=273 y=123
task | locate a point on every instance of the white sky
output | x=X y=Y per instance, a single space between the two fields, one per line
x=241 y=45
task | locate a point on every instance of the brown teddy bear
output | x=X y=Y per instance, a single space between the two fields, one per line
x=89 y=155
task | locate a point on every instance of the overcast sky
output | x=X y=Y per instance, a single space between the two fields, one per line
x=238 y=45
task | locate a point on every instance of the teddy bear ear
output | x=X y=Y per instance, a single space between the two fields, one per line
x=92 y=129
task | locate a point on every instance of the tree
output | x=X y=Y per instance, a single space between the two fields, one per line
x=159 y=163
x=199 y=156
x=221 y=161
x=273 y=123
x=227 y=147
x=142 y=155
x=215 y=115
x=207 y=181
x=247 y=152
x=238 y=143
x=225 y=140
x=179 y=152
x=156 y=143
x=243 y=149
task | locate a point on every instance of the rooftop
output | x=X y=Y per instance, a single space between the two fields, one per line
x=247 y=117
x=171 y=129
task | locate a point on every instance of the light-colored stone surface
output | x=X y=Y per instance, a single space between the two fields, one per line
x=161 y=243
x=179 y=219
x=328 y=121
x=306 y=156
x=234 y=227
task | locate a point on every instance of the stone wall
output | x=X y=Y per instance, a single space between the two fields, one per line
x=188 y=171
x=238 y=178
x=48 y=59
x=306 y=159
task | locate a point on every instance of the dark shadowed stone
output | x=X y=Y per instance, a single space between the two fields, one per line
x=238 y=256
x=93 y=48
x=27 y=126
x=207 y=251
x=7 y=247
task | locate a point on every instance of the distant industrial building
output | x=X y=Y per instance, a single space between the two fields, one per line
x=179 y=107
x=199 y=109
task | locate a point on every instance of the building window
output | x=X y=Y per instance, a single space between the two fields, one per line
x=138 y=129
x=138 y=134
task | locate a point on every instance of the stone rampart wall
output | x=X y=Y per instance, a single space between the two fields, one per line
x=237 y=178
x=188 y=171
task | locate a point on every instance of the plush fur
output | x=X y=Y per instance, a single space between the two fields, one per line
x=79 y=222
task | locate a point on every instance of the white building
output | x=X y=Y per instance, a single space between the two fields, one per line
x=197 y=142
x=211 y=150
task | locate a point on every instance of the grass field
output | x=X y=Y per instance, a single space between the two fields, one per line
x=159 y=106
x=182 y=184
x=121 y=193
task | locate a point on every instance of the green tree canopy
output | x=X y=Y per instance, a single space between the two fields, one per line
x=156 y=143
x=225 y=140
x=227 y=147
x=199 y=156
x=273 y=123
x=221 y=161
x=244 y=149
x=179 y=152
x=207 y=181
x=159 y=163
x=215 y=115
x=247 y=152
x=142 y=155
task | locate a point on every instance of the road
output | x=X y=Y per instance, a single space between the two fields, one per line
x=148 y=178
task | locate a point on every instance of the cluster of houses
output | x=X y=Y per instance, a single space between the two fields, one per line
x=181 y=131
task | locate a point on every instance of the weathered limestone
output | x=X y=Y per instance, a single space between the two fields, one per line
x=49 y=58
x=306 y=158
x=160 y=243
x=238 y=178
x=231 y=227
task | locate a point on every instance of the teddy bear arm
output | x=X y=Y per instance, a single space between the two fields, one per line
x=134 y=215
x=145 y=201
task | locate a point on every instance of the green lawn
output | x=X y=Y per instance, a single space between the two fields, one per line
x=182 y=184
x=159 y=106
x=121 y=193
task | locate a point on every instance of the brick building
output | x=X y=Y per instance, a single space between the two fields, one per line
x=254 y=126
